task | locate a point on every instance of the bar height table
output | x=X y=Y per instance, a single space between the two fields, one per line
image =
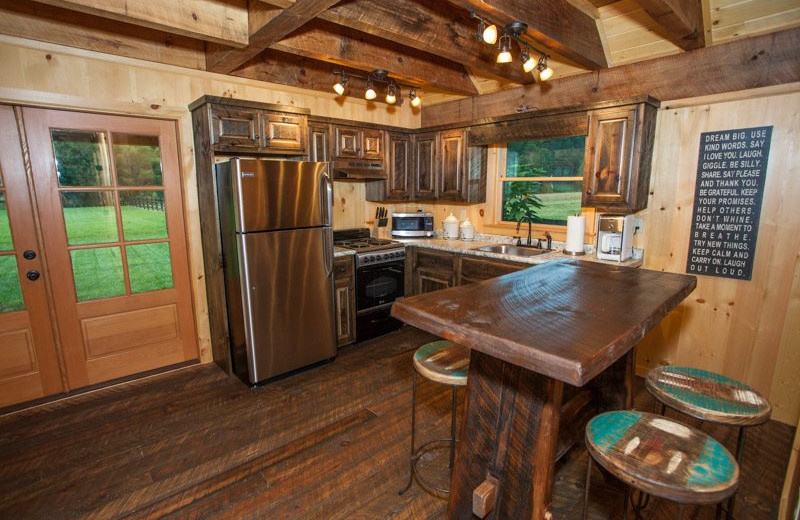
x=552 y=345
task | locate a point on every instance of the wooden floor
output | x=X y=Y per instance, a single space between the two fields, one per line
x=328 y=443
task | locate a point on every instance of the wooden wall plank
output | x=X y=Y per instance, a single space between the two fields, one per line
x=754 y=62
x=744 y=329
x=223 y=22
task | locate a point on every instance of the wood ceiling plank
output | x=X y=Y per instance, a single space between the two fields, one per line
x=296 y=71
x=761 y=61
x=556 y=25
x=429 y=26
x=209 y=20
x=73 y=29
x=272 y=25
x=338 y=45
x=681 y=19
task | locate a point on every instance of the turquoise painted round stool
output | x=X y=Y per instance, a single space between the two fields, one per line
x=660 y=457
x=709 y=396
x=444 y=362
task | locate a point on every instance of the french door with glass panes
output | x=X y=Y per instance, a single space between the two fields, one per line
x=110 y=213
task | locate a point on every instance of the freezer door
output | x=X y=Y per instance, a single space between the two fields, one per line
x=288 y=303
x=274 y=195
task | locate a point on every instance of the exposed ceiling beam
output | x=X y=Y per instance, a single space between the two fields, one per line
x=73 y=29
x=428 y=26
x=556 y=25
x=331 y=43
x=287 y=69
x=209 y=20
x=760 y=61
x=267 y=26
x=682 y=20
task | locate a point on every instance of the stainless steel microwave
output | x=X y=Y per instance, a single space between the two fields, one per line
x=409 y=225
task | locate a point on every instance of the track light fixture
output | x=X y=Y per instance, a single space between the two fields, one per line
x=340 y=85
x=378 y=76
x=487 y=33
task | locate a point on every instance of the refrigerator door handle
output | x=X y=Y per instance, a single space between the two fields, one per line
x=327 y=198
x=327 y=250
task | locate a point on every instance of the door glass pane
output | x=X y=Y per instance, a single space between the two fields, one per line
x=89 y=216
x=5 y=229
x=144 y=214
x=10 y=290
x=137 y=159
x=149 y=267
x=97 y=273
x=81 y=158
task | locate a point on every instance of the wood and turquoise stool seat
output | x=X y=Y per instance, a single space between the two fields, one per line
x=661 y=457
x=443 y=362
x=707 y=395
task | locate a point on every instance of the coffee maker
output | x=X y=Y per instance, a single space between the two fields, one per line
x=615 y=237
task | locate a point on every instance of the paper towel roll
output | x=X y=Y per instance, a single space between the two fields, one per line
x=576 y=226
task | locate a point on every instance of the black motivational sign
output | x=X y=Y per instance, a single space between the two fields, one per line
x=727 y=202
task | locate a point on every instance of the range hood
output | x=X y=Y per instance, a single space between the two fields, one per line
x=358 y=170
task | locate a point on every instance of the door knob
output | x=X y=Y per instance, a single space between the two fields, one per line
x=29 y=255
x=33 y=274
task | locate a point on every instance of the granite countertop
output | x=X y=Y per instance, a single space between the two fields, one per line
x=466 y=247
x=341 y=251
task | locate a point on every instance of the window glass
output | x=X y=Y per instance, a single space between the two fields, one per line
x=98 y=272
x=5 y=227
x=137 y=159
x=81 y=158
x=10 y=289
x=144 y=215
x=149 y=267
x=90 y=216
x=557 y=165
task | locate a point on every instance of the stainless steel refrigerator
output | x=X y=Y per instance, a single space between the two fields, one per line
x=277 y=245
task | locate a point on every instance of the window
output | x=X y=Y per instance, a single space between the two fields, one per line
x=542 y=178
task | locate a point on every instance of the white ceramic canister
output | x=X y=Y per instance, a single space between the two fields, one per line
x=450 y=227
x=467 y=230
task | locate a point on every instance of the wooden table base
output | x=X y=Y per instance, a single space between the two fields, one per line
x=517 y=423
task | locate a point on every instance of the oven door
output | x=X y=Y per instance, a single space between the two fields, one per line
x=379 y=285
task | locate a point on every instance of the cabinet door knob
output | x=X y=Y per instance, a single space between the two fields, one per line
x=33 y=274
x=588 y=192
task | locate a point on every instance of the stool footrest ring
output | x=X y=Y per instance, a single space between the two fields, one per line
x=421 y=480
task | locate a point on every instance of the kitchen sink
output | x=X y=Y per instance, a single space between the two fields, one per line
x=507 y=249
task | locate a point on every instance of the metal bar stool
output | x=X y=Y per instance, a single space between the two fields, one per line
x=709 y=396
x=660 y=457
x=443 y=362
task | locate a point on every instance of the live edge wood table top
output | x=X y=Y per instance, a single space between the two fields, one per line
x=551 y=346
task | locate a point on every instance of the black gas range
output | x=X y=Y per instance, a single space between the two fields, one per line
x=380 y=280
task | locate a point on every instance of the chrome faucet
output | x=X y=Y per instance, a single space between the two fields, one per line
x=530 y=223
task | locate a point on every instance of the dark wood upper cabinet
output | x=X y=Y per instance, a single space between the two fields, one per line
x=348 y=143
x=372 y=144
x=399 y=185
x=244 y=129
x=235 y=127
x=425 y=167
x=319 y=137
x=450 y=164
x=619 y=150
x=285 y=132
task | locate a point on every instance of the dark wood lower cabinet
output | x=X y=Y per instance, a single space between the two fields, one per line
x=345 y=299
x=430 y=270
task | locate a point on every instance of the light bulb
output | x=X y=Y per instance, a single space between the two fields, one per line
x=391 y=98
x=490 y=34
x=339 y=88
x=528 y=63
x=505 y=53
x=370 y=93
x=545 y=74
x=415 y=100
